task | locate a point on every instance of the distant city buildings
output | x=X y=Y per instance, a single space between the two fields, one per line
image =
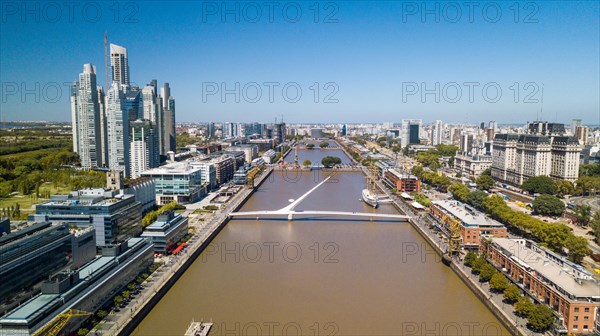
x=437 y=132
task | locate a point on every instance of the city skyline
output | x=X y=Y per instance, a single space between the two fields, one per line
x=367 y=70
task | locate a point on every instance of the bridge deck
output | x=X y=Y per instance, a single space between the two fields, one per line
x=316 y=212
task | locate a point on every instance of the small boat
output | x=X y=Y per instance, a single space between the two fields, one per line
x=370 y=198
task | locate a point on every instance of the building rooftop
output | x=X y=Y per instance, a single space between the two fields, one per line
x=570 y=278
x=35 y=306
x=466 y=214
x=175 y=168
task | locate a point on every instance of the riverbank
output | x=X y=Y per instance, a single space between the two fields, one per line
x=456 y=265
x=130 y=317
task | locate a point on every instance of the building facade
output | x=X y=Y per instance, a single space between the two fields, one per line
x=117 y=120
x=515 y=158
x=177 y=182
x=569 y=289
x=473 y=224
x=115 y=217
x=85 y=117
x=469 y=165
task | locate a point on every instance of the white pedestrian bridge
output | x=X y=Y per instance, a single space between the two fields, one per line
x=289 y=211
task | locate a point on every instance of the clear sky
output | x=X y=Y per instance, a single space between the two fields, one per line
x=372 y=61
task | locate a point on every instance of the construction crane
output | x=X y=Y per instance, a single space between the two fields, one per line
x=252 y=175
x=454 y=238
x=54 y=327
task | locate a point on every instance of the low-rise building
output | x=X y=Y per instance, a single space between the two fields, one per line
x=474 y=225
x=115 y=216
x=472 y=165
x=250 y=151
x=401 y=182
x=169 y=228
x=269 y=156
x=569 y=289
x=178 y=182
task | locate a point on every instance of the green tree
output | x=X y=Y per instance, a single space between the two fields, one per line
x=578 y=248
x=524 y=306
x=564 y=187
x=548 y=205
x=539 y=184
x=486 y=272
x=306 y=163
x=324 y=144
x=125 y=294
x=499 y=282
x=478 y=264
x=330 y=161
x=512 y=293
x=487 y=171
x=470 y=258
x=476 y=198
x=422 y=199
x=583 y=214
x=485 y=182
x=82 y=331
x=540 y=317
x=117 y=300
x=460 y=191
x=446 y=150
x=595 y=224
x=101 y=314
x=131 y=286
x=310 y=146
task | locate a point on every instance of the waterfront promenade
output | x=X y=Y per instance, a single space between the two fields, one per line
x=422 y=222
x=124 y=321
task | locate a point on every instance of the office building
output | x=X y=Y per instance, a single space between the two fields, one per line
x=545 y=128
x=515 y=158
x=85 y=114
x=117 y=130
x=177 y=182
x=211 y=131
x=133 y=103
x=581 y=133
x=250 y=151
x=474 y=225
x=401 y=182
x=103 y=126
x=142 y=188
x=119 y=64
x=169 y=118
x=410 y=132
x=437 y=132
x=269 y=156
x=153 y=111
x=567 y=288
x=574 y=124
x=88 y=289
x=143 y=147
x=208 y=171
x=116 y=217
x=166 y=231
x=466 y=143
x=31 y=254
x=279 y=132
x=472 y=165
x=231 y=130
x=254 y=130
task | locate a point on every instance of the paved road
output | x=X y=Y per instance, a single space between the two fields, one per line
x=593 y=202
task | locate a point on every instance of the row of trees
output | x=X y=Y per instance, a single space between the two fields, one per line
x=436 y=180
x=431 y=158
x=539 y=317
x=546 y=185
x=555 y=236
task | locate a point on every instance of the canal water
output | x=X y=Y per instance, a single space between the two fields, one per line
x=315 y=155
x=320 y=276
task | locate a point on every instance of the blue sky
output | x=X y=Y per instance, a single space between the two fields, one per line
x=372 y=61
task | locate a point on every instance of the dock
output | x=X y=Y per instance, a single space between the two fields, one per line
x=198 y=329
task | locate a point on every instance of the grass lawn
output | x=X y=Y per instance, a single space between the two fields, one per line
x=26 y=202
